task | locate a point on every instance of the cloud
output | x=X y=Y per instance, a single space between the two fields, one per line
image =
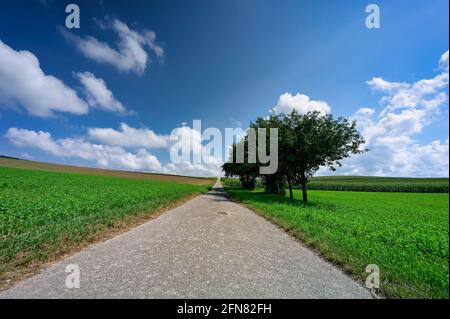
x=390 y=135
x=128 y=136
x=399 y=156
x=235 y=122
x=131 y=53
x=113 y=151
x=98 y=94
x=192 y=169
x=443 y=62
x=182 y=138
x=24 y=83
x=427 y=93
x=301 y=103
x=103 y=155
x=380 y=84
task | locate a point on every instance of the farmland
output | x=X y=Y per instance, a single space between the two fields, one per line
x=405 y=234
x=380 y=184
x=21 y=163
x=45 y=214
x=370 y=184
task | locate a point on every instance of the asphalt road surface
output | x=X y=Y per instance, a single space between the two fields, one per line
x=209 y=247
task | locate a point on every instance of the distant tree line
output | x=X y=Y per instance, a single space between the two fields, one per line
x=305 y=143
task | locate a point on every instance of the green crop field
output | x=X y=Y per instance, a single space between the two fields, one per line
x=405 y=234
x=380 y=184
x=44 y=214
x=369 y=184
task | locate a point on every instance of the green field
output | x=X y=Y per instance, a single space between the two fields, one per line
x=44 y=214
x=369 y=184
x=380 y=184
x=405 y=234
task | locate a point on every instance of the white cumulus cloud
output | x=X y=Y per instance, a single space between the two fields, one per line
x=124 y=149
x=443 y=62
x=103 y=155
x=128 y=136
x=391 y=134
x=131 y=52
x=98 y=93
x=192 y=169
x=427 y=93
x=23 y=83
x=300 y=103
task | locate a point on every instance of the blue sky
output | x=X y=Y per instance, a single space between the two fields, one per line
x=225 y=63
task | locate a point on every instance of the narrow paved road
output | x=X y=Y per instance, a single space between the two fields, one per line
x=209 y=247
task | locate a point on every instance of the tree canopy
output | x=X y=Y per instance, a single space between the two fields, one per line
x=306 y=142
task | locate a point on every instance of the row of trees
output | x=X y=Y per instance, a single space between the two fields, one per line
x=305 y=143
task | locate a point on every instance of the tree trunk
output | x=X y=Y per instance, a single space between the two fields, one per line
x=247 y=182
x=272 y=186
x=291 y=194
x=304 y=192
x=304 y=181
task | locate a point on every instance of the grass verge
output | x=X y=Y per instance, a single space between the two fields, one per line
x=405 y=234
x=47 y=214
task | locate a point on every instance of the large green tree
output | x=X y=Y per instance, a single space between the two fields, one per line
x=319 y=140
x=306 y=142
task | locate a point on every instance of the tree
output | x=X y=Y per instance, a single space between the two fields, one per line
x=273 y=183
x=319 y=140
x=247 y=172
x=306 y=142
